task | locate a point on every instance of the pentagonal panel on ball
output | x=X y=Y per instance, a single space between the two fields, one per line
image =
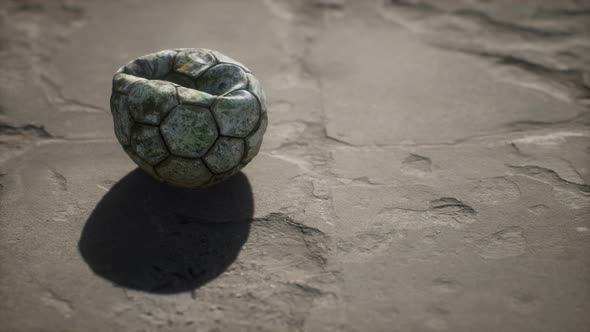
x=150 y=101
x=184 y=172
x=221 y=79
x=147 y=144
x=236 y=113
x=225 y=154
x=189 y=131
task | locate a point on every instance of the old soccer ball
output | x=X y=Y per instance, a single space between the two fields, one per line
x=189 y=117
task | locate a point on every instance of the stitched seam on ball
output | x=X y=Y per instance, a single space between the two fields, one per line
x=130 y=87
x=206 y=69
x=177 y=97
x=190 y=77
x=164 y=140
x=210 y=108
x=200 y=74
x=245 y=148
x=245 y=74
x=214 y=57
x=189 y=103
x=173 y=63
x=171 y=66
x=229 y=63
x=207 y=166
x=155 y=168
x=259 y=113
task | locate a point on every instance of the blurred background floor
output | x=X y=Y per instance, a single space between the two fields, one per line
x=426 y=168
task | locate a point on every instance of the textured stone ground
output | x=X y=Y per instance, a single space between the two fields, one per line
x=426 y=168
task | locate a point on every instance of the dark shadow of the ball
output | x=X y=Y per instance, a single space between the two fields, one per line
x=148 y=236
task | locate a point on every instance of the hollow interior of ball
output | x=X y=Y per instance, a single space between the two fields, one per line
x=194 y=69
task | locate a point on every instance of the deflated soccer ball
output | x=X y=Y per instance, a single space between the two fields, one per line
x=190 y=117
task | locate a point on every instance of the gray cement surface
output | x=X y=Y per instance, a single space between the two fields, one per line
x=425 y=168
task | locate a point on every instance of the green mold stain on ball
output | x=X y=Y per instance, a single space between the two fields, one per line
x=190 y=117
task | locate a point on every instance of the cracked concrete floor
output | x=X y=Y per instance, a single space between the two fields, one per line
x=426 y=168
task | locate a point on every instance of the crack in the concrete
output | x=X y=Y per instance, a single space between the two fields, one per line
x=54 y=95
x=61 y=180
x=445 y=211
x=504 y=46
x=24 y=130
x=572 y=79
x=551 y=177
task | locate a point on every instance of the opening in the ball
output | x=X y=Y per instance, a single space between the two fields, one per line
x=198 y=69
